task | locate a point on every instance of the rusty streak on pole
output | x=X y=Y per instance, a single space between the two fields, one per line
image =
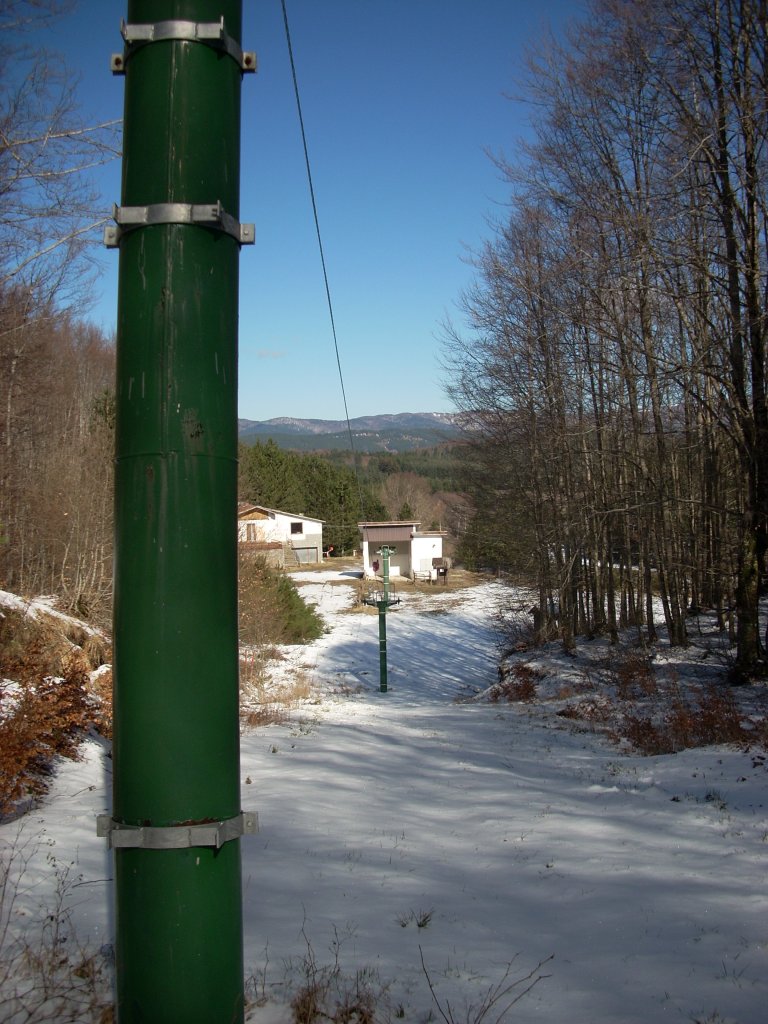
x=176 y=814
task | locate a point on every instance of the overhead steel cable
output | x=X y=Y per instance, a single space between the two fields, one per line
x=322 y=252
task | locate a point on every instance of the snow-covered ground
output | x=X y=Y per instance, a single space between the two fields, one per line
x=412 y=826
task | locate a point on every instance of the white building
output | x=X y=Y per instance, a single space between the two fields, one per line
x=417 y=554
x=284 y=538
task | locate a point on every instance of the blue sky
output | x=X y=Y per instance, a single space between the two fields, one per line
x=401 y=101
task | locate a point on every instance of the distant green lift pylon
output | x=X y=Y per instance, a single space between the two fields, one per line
x=383 y=601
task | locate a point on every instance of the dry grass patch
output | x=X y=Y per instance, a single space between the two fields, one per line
x=457 y=579
x=264 y=702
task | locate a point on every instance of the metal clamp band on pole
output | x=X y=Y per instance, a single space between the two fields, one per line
x=210 y=33
x=175 y=837
x=209 y=215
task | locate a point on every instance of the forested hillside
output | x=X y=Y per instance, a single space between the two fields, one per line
x=344 y=490
x=56 y=371
x=615 y=359
x=442 y=468
x=428 y=485
x=57 y=443
x=309 y=485
x=385 y=432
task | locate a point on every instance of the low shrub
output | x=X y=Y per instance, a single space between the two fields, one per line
x=590 y=709
x=271 y=610
x=644 y=735
x=702 y=717
x=633 y=675
x=517 y=683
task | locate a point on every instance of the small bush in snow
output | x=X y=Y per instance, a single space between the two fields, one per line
x=327 y=993
x=271 y=609
x=701 y=717
x=517 y=682
x=633 y=675
x=495 y=1003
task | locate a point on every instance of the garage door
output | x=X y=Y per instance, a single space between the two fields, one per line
x=305 y=556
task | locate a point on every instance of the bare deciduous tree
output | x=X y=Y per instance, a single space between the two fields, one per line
x=48 y=208
x=618 y=327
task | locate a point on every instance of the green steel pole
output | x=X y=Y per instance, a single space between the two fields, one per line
x=383 y=646
x=176 y=738
x=383 y=605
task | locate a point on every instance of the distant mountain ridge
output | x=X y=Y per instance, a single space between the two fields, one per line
x=393 y=432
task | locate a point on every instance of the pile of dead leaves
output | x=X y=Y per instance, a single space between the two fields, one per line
x=55 y=688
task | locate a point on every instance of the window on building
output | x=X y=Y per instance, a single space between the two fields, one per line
x=296 y=528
